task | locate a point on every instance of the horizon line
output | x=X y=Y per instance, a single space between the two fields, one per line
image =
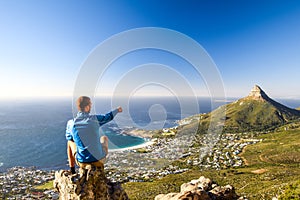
x=138 y=96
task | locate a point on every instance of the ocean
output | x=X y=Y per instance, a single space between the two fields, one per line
x=32 y=132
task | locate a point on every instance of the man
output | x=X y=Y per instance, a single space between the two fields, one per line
x=82 y=133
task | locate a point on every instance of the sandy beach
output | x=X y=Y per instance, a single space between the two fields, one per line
x=151 y=142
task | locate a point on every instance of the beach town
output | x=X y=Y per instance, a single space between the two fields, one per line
x=154 y=159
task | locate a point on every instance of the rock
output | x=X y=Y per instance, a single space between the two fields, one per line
x=201 y=189
x=90 y=183
x=165 y=196
x=224 y=192
x=258 y=94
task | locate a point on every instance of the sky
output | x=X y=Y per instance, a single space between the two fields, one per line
x=44 y=45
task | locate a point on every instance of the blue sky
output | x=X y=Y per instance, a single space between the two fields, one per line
x=44 y=43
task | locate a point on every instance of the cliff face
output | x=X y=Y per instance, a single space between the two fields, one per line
x=257 y=93
x=89 y=184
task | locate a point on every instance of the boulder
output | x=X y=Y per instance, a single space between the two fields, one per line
x=202 y=189
x=89 y=184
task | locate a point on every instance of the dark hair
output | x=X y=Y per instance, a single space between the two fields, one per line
x=82 y=102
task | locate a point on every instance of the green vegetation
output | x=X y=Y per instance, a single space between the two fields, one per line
x=142 y=150
x=272 y=169
x=158 y=134
x=248 y=115
x=245 y=115
x=162 y=134
x=292 y=191
x=45 y=186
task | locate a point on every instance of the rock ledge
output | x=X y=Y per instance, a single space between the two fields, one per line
x=90 y=183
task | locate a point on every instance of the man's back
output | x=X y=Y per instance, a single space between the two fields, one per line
x=84 y=130
x=83 y=134
x=87 y=138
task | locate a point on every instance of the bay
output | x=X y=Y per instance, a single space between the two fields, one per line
x=32 y=131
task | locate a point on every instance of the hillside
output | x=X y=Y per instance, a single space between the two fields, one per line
x=269 y=171
x=256 y=112
x=265 y=169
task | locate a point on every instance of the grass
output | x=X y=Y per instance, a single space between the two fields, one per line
x=272 y=170
x=292 y=191
x=45 y=186
x=248 y=115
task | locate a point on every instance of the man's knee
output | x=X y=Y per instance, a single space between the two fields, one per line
x=72 y=146
x=104 y=143
x=104 y=139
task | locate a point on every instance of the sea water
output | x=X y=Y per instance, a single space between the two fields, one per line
x=32 y=132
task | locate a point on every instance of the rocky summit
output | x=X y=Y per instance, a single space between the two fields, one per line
x=258 y=94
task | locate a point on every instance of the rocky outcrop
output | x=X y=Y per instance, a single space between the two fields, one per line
x=258 y=94
x=202 y=189
x=89 y=184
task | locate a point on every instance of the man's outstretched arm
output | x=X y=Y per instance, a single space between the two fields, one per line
x=103 y=119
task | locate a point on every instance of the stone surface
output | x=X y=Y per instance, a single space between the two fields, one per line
x=202 y=189
x=90 y=183
x=257 y=94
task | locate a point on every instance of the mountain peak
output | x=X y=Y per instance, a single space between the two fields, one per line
x=257 y=94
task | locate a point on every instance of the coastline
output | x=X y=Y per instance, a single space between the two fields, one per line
x=146 y=135
x=141 y=133
x=145 y=144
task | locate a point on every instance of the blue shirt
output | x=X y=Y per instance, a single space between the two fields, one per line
x=84 y=131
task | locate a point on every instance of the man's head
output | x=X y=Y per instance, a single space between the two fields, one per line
x=84 y=104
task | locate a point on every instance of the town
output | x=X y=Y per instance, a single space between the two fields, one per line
x=19 y=182
x=164 y=156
